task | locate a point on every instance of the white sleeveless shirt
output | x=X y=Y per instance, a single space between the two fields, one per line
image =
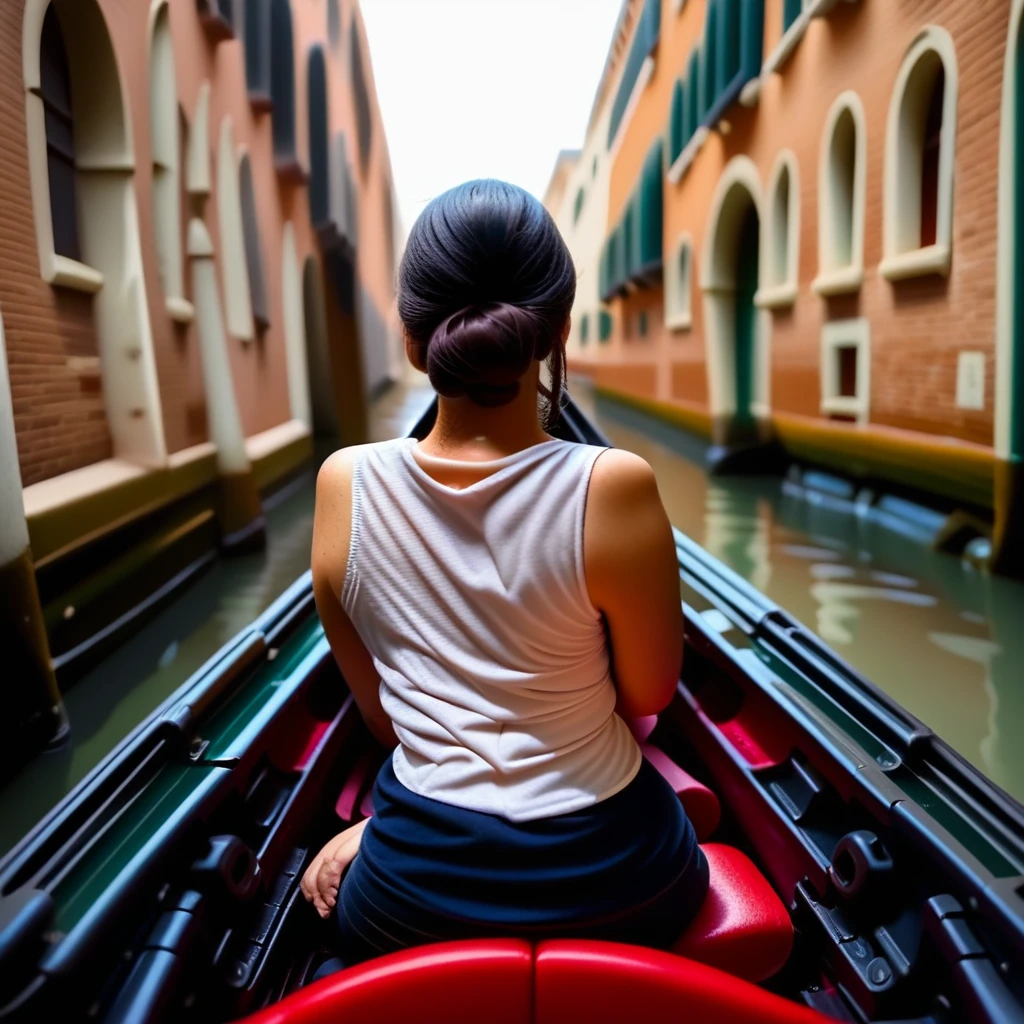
x=493 y=662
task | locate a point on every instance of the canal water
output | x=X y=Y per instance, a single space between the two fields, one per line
x=944 y=639
x=108 y=702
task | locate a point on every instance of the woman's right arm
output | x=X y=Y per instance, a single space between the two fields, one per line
x=632 y=575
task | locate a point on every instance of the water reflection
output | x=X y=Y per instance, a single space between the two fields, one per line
x=944 y=640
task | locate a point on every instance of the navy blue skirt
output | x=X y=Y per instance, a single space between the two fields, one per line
x=627 y=869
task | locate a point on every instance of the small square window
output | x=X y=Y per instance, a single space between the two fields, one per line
x=845 y=370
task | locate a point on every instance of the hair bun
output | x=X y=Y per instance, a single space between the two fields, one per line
x=482 y=351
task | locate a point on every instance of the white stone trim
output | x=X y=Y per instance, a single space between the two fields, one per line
x=180 y=310
x=903 y=255
x=1006 y=252
x=14 y=537
x=679 y=286
x=791 y=37
x=197 y=175
x=295 y=330
x=836 y=277
x=642 y=78
x=854 y=333
x=259 y=446
x=164 y=128
x=780 y=289
x=682 y=162
x=235 y=270
x=111 y=266
x=718 y=284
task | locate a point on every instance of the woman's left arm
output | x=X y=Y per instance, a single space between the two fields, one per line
x=332 y=522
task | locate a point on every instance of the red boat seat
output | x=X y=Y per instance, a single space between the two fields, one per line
x=447 y=983
x=506 y=981
x=701 y=805
x=608 y=983
x=742 y=927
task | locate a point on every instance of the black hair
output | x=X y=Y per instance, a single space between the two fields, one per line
x=485 y=286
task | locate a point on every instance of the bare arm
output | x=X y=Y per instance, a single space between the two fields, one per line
x=633 y=580
x=331 y=536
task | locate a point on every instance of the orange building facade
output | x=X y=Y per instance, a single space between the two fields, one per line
x=811 y=239
x=198 y=275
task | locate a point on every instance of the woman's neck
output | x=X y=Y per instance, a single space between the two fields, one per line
x=466 y=430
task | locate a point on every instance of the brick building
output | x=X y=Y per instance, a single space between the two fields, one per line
x=811 y=238
x=197 y=275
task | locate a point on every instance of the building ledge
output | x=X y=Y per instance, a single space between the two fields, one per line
x=932 y=259
x=679 y=322
x=642 y=78
x=845 y=405
x=68 y=273
x=776 y=296
x=687 y=156
x=843 y=281
x=180 y=310
x=276 y=452
x=73 y=509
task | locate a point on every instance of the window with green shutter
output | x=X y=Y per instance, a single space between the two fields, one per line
x=709 y=60
x=677 y=122
x=642 y=323
x=645 y=39
x=578 y=207
x=584 y=329
x=649 y=214
x=692 y=95
x=604 y=325
x=790 y=12
x=730 y=55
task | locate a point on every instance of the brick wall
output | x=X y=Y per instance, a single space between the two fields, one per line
x=918 y=326
x=52 y=353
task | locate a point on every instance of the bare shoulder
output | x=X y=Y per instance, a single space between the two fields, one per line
x=336 y=470
x=621 y=478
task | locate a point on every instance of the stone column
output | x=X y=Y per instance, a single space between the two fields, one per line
x=33 y=713
x=240 y=511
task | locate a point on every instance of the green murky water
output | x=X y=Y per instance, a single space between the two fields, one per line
x=945 y=640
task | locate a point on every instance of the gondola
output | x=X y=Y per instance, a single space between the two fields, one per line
x=861 y=870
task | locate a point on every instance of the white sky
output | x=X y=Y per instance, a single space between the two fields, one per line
x=483 y=88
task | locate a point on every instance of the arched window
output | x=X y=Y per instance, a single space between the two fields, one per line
x=333 y=23
x=233 y=256
x=165 y=143
x=781 y=254
x=319 y=160
x=842 y=176
x=679 y=286
x=257 y=53
x=282 y=82
x=364 y=120
x=919 y=157
x=60 y=137
x=253 y=245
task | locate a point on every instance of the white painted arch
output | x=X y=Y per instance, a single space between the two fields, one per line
x=780 y=234
x=679 y=284
x=111 y=266
x=837 y=273
x=904 y=256
x=738 y=189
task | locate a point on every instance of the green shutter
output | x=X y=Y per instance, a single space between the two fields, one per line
x=693 y=117
x=649 y=212
x=630 y=238
x=677 y=122
x=790 y=12
x=642 y=321
x=709 y=61
x=584 y=330
x=728 y=44
x=578 y=208
x=604 y=325
x=752 y=39
x=645 y=40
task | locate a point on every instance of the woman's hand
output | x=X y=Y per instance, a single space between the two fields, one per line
x=323 y=876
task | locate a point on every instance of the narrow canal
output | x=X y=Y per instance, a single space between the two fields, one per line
x=944 y=639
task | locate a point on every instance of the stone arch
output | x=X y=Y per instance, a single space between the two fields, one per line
x=734 y=333
x=110 y=266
